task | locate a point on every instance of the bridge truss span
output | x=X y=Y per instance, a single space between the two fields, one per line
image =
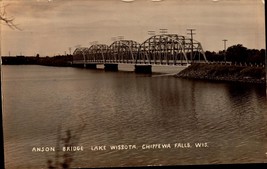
x=97 y=53
x=164 y=49
x=169 y=49
x=123 y=51
x=80 y=55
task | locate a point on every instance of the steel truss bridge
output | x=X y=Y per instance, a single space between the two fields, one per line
x=164 y=49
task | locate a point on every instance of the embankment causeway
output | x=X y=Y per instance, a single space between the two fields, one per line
x=227 y=73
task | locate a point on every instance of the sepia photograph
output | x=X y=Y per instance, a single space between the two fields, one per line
x=133 y=83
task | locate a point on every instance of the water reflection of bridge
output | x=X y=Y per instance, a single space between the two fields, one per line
x=165 y=49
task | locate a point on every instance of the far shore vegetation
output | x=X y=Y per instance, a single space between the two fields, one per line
x=235 y=55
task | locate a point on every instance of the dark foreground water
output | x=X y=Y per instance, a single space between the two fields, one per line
x=163 y=118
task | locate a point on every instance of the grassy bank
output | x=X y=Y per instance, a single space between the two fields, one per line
x=224 y=73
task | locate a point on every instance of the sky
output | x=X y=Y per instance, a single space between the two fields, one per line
x=52 y=27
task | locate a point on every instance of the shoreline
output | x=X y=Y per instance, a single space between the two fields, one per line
x=224 y=73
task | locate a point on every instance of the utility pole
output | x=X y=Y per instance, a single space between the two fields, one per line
x=120 y=37
x=163 y=31
x=113 y=39
x=192 y=45
x=151 y=33
x=152 y=47
x=224 y=40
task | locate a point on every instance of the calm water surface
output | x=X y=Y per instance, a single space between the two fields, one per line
x=121 y=108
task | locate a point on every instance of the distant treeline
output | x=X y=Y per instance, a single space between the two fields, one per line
x=60 y=60
x=238 y=54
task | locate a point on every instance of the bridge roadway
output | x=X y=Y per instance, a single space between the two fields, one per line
x=136 y=67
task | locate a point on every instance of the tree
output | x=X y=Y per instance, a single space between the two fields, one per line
x=254 y=56
x=9 y=21
x=237 y=53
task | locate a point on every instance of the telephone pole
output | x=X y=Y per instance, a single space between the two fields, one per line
x=191 y=33
x=224 y=40
x=70 y=50
x=113 y=39
x=163 y=31
x=151 y=33
x=120 y=37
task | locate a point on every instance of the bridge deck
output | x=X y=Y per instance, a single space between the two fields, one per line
x=130 y=67
x=139 y=62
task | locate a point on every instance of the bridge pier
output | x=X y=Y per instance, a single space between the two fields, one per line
x=143 y=69
x=90 y=66
x=111 y=67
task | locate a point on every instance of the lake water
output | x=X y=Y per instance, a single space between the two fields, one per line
x=103 y=109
